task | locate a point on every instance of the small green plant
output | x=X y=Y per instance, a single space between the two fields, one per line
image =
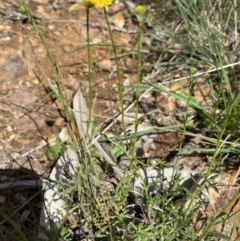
x=196 y=44
x=56 y=150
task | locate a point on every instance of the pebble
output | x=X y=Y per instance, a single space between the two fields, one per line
x=105 y=65
x=32 y=121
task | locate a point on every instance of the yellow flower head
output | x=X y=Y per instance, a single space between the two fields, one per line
x=140 y=10
x=87 y=3
x=101 y=3
x=193 y=70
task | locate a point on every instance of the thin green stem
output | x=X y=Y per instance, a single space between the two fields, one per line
x=139 y=76
x=120 y=86
x=89 y=74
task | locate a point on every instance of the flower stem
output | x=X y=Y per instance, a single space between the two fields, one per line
x=89 y=73
x=120 y=86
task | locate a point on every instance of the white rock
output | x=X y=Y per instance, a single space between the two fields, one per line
x=152 y=178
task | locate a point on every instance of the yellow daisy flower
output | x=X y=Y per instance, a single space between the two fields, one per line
x=101 y=3
x=87 y=3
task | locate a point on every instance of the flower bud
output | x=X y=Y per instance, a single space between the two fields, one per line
x=140 y=10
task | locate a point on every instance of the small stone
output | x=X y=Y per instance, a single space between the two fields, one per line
x=119 y=20
x=24 y=95
x=147 y=41
x=5 y=106
x=105 y=65
x=131 y=63
x=202 y=94
x=12 y=137
x=177 y=76
x=9 y=128
x=126 y=83
x=59 y=121
x=68 y=94
x=63 y=135
x=32 y=121
x=51 y=26
x=13 y=67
